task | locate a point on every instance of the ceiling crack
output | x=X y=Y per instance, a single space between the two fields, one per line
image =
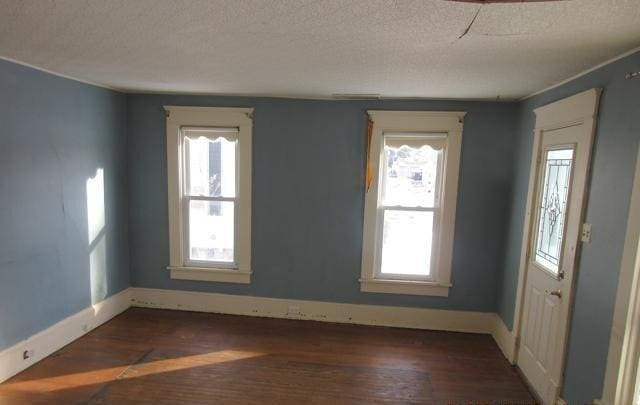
x=466 y=31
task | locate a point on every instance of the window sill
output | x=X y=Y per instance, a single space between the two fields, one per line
x=404 y=287
x=210 y=274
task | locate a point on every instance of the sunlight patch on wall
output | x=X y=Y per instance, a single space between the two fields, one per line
x=97 y=242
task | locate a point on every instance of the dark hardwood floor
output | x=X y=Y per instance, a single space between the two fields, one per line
x=170 y=357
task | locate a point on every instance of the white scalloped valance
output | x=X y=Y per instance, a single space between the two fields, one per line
x=230 y=134
x=435 y=142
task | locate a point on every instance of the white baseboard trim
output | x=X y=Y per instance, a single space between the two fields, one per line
x=46 y=342
x=505 y=339
x=69 y=329
x=401 y=317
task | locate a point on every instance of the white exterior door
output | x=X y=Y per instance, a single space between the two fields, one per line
x=562 y=154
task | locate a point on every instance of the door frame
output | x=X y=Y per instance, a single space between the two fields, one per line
x=581 y=108
x=624 y=344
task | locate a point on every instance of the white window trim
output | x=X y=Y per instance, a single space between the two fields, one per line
x=177 y=118
x=437 y=122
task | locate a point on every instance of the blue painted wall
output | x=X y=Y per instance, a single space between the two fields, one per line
x=54 y=135
x=615 y=153
x=308 y=160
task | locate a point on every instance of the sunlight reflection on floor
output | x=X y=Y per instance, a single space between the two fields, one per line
x=74 y=380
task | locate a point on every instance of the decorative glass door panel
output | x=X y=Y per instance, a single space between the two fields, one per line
x=552 y=208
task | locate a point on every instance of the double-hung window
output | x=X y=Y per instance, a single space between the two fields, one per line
x=410 y=207
x=209 y=167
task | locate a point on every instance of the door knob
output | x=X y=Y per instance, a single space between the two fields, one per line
x=557 y=293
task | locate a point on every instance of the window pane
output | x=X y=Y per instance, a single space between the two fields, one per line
x=552 y=209
x=211 y=167
x=211 y=231
x=411 y=176
x=406 y=242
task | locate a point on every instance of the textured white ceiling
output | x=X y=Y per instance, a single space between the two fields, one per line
x=395 y=48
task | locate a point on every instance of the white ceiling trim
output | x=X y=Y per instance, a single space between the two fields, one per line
x=75 y=79
x=315 y=97
x=585 y=72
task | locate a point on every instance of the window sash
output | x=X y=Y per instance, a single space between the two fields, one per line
x=434 y=245
x=436 y=141
x=205 y=198
x=408 y=208
x=211 y=133
x=187 y=243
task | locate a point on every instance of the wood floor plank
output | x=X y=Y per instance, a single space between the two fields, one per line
x=149 y=356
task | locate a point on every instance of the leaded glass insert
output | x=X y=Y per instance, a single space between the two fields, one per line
x=553 y=207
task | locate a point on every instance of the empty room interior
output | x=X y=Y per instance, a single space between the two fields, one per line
x=320 y=201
